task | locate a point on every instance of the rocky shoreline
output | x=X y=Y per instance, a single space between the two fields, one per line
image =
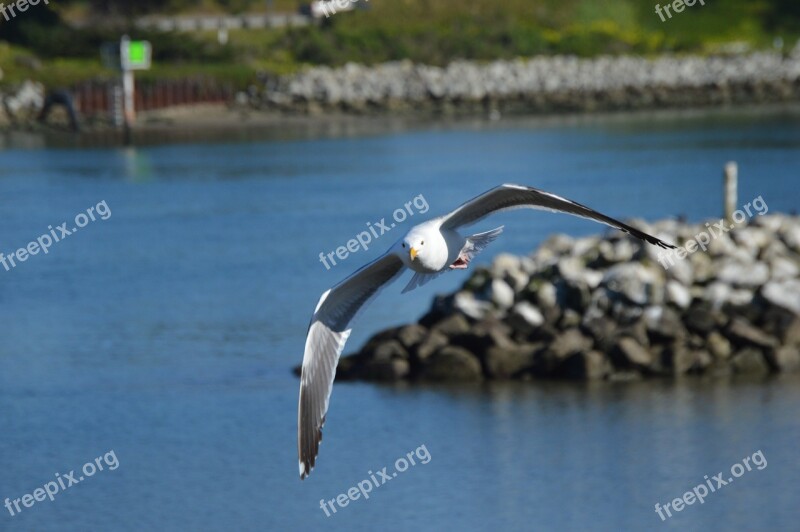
x=537 y=85
x=606 y=308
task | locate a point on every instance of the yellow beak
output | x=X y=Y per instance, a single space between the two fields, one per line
x=413 y=253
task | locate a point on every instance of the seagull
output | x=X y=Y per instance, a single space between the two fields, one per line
x=428 y=249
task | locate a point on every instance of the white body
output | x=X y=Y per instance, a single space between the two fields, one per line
x=436 y=248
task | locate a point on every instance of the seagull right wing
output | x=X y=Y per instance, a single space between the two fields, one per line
x=508 y=196
x=327 y=334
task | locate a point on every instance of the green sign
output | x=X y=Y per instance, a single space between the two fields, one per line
x=135 y=55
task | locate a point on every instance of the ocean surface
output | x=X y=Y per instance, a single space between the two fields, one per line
x=160 y=337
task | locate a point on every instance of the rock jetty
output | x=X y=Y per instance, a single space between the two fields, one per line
x=537 y=85
x=608 y=308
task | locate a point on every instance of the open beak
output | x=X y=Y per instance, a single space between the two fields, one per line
x=413 y=253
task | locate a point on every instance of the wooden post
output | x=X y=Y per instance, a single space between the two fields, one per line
x=128 y=97
x=731 y=174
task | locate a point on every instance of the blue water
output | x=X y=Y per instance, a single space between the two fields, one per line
x=167 y=333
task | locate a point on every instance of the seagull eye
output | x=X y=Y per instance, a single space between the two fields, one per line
x=422 y=243
x=404 y=244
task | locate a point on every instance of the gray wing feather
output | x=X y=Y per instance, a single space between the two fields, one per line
x=327 y=335
x=506 y=197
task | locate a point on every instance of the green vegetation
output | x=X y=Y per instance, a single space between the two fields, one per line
x=426 y=31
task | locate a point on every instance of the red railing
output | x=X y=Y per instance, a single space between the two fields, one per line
x=95 y=97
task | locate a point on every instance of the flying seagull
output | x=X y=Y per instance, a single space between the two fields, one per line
x=428 y=249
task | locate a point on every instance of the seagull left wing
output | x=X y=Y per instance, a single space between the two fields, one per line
x=327 y=334
x=505 y=197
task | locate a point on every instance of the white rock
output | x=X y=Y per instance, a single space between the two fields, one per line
x=584 y=246
x=740 y=297
x=751 y=238
x=783 y=269
x=465 y=302
x=532 y=315
x=509 y=268
x=748 y=274
x=704 y=268
x=717 y=294
x=681 y=270
x=547 y=295
x=528 y=265
x=678 y=295
x=784 y=294
x=771 y=222
x=636 y=282
x=559 y=243
x=791 y=236
x=505 y=262
x=502 y=295
x=623 y=250
x=774 y=250
x=722 y=245
x=593 y=278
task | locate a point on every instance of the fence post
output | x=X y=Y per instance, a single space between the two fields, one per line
x=731 y=174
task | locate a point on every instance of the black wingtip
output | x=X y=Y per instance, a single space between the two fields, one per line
x=662 y=244
x=650 y=239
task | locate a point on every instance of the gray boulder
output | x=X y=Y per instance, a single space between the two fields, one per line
x=508 y=361
x=452 y=364
x=749 y=361
x=570 y=342
x=629 y=352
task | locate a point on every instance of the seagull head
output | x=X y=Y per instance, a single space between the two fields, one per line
x=413 y=248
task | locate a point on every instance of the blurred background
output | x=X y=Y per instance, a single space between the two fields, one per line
x=254 y=135
x=232 y=41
